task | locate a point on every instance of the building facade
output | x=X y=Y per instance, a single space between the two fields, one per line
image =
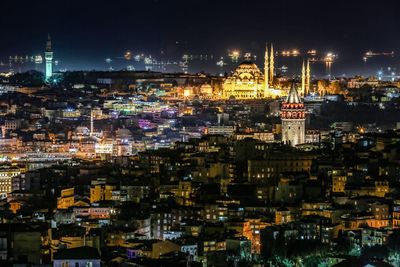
x=248 y=82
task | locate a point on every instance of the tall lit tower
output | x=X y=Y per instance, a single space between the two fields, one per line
x=266 y=79
x=293 y=118
x=303 y=80
x=308 y=78
x=271 y=64
x=48 y=54
x=91 y=122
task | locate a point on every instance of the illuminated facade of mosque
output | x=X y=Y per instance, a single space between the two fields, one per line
x=248 y=82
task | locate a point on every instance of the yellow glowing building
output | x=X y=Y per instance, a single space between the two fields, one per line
x=338 y=183
x=66 y=199
x=184 y=192
x=6 y=175
x=15 y=205
x=100 y=190
x=248 y=82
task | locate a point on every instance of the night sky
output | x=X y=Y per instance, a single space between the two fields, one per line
x=86 y=32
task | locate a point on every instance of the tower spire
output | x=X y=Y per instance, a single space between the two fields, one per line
x=91 y=122
x=266 y=74
x=48 y=55
x=303 y=79
x=48 y=44
x=271 y=64
x=293 y=96
x=308 y=78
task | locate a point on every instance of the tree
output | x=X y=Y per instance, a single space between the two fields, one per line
x=375 y=252
x=362 y=94
x=29 y=78
x=343 y=246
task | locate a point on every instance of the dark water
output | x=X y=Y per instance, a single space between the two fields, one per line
x=346 y=64
x=342 y=66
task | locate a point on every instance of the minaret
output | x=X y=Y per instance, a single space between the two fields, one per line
x=48 y=54
x=91 y=122
x=266 y=74
x=271 y=65
x=308 y=78
x=303 y=80
x=293 y=118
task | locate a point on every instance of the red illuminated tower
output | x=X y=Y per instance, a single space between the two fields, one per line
x=293 y=118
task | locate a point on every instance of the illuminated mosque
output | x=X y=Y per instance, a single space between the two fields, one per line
x=248 y=82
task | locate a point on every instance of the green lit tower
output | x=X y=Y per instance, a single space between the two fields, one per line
x=48 y=55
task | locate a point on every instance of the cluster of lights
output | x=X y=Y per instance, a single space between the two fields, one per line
x=221 y=62
x=330 y=57
x=37 y=59
x=312 y=52
x=128 y=55
x=290 y=53
x=234 y=55
x=370 y=54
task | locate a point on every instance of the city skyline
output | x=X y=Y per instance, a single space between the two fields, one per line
x=172 y=29
x=200 y=133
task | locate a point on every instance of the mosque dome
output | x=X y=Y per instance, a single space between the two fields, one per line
x=247 y=70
